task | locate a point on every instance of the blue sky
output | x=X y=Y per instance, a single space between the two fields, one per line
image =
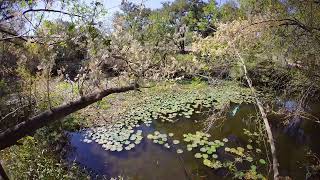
x=113 y=5
x=154 y=4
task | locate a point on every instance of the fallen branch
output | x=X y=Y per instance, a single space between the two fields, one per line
x=265 y=120
x=10 y=136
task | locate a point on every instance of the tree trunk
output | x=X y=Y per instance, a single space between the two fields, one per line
x=265 y=120
x=10 y=136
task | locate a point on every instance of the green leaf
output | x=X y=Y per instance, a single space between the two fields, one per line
x=262 y=161
x=249 y=146
x=253 y=167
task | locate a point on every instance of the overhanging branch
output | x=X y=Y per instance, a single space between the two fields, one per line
x=39 y=10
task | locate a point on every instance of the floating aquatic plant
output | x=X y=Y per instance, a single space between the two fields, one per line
x=115 y=138
x=179 y=151
x=198 y=155
x=175 y=141
x=262 y=161
x=249 y=146
x=207 y=150
x=159 y=138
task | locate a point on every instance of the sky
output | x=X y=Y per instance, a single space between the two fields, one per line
x=112 y=6
x=153 y=4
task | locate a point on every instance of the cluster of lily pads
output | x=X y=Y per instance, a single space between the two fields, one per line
x=115 y=138
x=167 y=107
x=207 y=150
x=162 y=139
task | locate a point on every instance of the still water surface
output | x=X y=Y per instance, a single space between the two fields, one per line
x=152 y=161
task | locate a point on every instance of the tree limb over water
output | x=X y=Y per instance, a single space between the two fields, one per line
x=27 y=127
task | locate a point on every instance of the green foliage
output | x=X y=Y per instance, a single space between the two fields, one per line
x=3 y=87
x=184 y=57
x=32 y=160
x=74 y=122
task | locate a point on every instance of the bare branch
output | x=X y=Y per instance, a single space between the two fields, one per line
x=12 y=112
x=39 y=10
x=288 y=22
x=12 y=34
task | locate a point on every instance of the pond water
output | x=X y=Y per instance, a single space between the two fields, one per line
x=153 y=161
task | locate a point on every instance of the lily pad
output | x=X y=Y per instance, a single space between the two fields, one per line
x=198 y=155
x=262 y=161
x=214 y=156
x=175 y=141
x=179 y=151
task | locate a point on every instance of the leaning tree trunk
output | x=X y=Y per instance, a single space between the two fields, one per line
x=265 y=120
x=10 y=136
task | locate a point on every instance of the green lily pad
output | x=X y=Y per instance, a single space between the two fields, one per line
x=203 y=149
x=250 y=159
x=214 y=156
x=249 y=146
x=175 y=141
x=179 y=151
x=205 y=156
x=198 y=155
x=258 y=150
x=262 y=161
x=208 y=163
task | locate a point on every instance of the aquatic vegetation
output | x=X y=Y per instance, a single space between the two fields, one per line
x=114 y=138
x=159 y=138
x=198 y=155
x=175 y=141
x=208 y=151
x=262 y=161
x=167 y=107
x=249 y=146
x=179 y=151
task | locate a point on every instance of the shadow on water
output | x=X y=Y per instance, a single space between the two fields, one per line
x=153 y=161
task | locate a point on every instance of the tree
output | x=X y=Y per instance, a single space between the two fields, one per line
x=49 y=49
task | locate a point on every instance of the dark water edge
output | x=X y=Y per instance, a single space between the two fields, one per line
x=153 y=161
